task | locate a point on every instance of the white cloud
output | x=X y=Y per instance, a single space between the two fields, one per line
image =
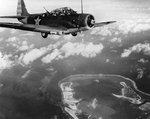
x=126 y=53
x=116 y=40
x=13 y=31
x=24 y=43
x=70 y=49
x=12 y=39
x=105 y=31
x=123 y=27
x=55 y=37
x=1 y=39
x=134 y=26
x=5 y=62
x=68 y=37
x=19 y=44
x=145 y=48
x=107 y=60
x=33 y=55
x=141 y=27
x=51 y=57
x=142 y=60
x=25 y=46
x=126 y=26
x=2 y=29
x=86 y=50
x=26 y=74
x=28 y=34
x=1 y=85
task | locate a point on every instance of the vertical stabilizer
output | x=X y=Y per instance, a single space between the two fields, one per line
x=21 y=9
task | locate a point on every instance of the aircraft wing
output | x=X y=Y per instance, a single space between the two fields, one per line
x=13 y=17
x=47 y=29
x=75 y=30
x=103 y=23
x=35 y=28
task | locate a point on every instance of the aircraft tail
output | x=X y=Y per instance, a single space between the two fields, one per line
x=21 y=9
x=22 y=13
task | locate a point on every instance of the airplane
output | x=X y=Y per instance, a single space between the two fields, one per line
x=61 y=21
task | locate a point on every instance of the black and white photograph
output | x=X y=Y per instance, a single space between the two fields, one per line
x=74 y=59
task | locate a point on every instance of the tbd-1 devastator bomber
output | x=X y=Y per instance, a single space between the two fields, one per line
x=62 y=21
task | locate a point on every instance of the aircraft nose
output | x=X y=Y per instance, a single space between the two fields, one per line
x=91 y=21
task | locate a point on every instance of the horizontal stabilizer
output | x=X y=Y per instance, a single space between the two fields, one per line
x=21 y=17
x=103 y=23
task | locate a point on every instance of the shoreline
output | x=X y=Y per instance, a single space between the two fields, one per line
x=102 y=75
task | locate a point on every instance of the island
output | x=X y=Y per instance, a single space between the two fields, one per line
x=103 y=96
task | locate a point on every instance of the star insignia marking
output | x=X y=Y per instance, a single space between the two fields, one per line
x=37 y=21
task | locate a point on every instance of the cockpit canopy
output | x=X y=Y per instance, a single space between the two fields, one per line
x=63 y=11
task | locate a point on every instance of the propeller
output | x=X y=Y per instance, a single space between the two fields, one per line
x=90 y=21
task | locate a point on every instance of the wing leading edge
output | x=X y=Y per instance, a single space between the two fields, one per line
x=34 y=28
x=16 y=26
x=103 y=23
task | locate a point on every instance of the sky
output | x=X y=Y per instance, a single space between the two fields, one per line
x=101 y=9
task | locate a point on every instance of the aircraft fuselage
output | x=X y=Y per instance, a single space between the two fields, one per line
x=65 y=21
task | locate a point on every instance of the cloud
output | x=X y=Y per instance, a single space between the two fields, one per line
x=33 y=55
x=25 y=46
x=107 y=60
x=12 y=39
x=142 y=60
x=20 y=45
x=126 y=26
x=88 y=50
x=68 y=37
x=50 y=57
x=1 y=39
x=5 y=62
x=116 y=40
x=105 y=31
x=123 y=27
x=141 y=27
x=1 y=85
x=28 y=34
x=26 y=74
x=13 y=31
x=134 y=26
x=2 y=29
x=126 y=53
x=145 y=48
x=55 y=37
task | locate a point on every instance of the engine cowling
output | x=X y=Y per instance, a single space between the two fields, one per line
x=86 y=21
